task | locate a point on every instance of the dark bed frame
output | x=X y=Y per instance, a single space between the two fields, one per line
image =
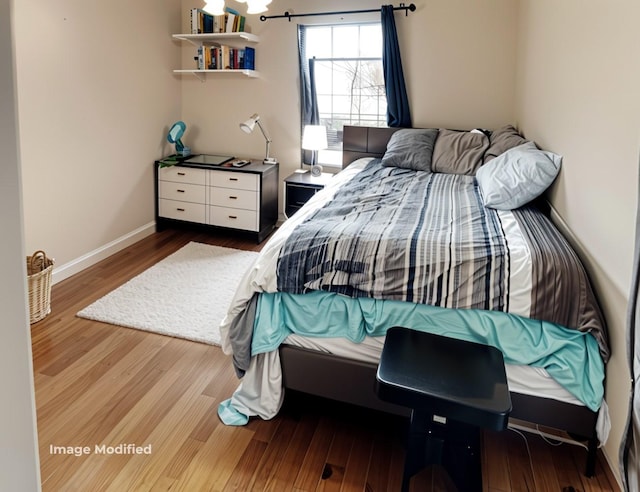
x=350 y=381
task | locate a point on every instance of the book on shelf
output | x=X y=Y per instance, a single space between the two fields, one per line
x=207 y=58
x=201 y=21
x=205 y=23
x=235 y=21
x=249 y=57
x=225 y=58
x=199 y=58
x=231 y=19
x=225 y=65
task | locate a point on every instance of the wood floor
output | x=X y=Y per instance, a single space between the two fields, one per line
x=108 y=386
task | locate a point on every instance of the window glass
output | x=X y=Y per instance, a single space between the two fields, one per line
x=317 y=44
x=371 y=41
x=346 y=41
x=349 y=80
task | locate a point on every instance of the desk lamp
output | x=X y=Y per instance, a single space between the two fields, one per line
x=248 y=127
x=175 y=137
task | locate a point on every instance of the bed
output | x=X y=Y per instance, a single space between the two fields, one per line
x=387 y=244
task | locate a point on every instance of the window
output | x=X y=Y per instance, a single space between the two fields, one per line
x=349 y=80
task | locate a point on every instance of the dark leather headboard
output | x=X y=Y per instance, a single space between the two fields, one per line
x=364 y=141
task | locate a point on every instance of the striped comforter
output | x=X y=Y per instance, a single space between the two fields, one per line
x=402 y=235
x=398 y=234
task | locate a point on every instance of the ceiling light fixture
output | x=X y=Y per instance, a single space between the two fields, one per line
x=257 y=6
x=214 y=7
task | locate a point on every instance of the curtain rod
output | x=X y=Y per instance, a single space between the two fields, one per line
x=287 y=15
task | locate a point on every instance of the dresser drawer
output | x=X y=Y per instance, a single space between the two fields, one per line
x=183 y=192
x=235 y=180
x=174 y=209
x=183 y=175
x=228 y=197
x=234 y=217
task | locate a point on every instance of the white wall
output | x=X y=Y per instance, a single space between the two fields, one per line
x=578 y=79
x=19 y=465
x=459 y=60
x=97 y=97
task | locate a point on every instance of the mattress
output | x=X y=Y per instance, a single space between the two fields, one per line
x=528 y=380
x=523 y=379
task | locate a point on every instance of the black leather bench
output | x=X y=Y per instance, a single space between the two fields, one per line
x=453 y=389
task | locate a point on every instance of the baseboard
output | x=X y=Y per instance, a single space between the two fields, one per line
x=611 y=469
x=75 y=266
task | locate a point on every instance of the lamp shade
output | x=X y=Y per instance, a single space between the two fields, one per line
x=314 y=137
x=249 y=125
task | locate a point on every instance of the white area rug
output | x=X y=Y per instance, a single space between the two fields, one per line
x=186 y=295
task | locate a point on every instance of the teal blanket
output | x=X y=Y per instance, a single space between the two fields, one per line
x=569 y=356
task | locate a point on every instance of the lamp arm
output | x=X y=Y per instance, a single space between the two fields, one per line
x=266 y=137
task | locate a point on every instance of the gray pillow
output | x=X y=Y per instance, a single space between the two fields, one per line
x=503 y=139
x=517 y=176
x=458 y=152
x=410 y=148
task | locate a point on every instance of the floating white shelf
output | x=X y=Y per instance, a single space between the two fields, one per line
x=201 y=74
x=215 y=38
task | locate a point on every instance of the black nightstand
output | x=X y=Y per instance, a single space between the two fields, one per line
x=300 y=187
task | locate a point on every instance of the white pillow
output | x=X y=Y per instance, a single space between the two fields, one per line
x=517 y=176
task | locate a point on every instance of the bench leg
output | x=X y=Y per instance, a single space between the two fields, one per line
x=461 y=456
x=455 y=445
x=424 y=446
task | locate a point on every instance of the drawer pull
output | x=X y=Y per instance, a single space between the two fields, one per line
x=182 y=174
x=180 y=191
x=233 y=198
x=233 y=179
x=180 y=209
x=233 y=217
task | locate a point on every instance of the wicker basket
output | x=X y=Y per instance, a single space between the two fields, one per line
x=39 y=269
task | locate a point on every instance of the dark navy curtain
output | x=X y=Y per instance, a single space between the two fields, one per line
x=398 y=113
x=308 y=94
x=630 y=448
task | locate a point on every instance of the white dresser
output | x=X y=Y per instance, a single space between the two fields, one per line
x=242 y=199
